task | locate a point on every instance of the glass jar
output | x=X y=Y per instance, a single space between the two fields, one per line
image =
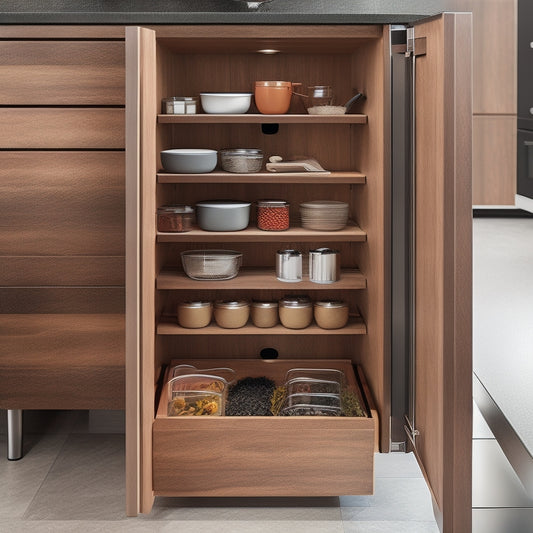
x=232 y=314
x=179 y=105
x=295 y=312
x=272 y=215
x=331 y=314
x=175 y=218
x=194 y=314
x=264 y=314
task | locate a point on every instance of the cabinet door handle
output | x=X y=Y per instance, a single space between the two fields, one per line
x=529 y=145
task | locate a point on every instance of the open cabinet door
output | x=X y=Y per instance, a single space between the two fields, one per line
x=442 y=430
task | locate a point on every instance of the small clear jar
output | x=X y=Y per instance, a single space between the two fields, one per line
x=296 y=312
x=331 y=314
x=179 y=105
x=272 y=215
x=194 y=314
x=175 y=218
x=264 y=314
x=231 y=314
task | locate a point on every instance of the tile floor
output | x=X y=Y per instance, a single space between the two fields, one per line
x=71 y=478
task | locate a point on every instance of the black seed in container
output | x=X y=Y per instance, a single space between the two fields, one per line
x=250 y=397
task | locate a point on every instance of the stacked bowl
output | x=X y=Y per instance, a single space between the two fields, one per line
x=324 y=215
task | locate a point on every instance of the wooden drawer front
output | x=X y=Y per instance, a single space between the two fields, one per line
x=62 y=73
x=261 y=456
x=62 y=361
x=61 y=203
x=34 y=128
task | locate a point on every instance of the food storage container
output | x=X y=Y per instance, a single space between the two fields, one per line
x=232 y=314
x=295 y=312
x=272 y=215
x=327 y=400
x=289 y=265
x=211 y=264
x=179 y=105
x=311 y=410
x=226 y=103
x=325 y=374
x=264 y=314
x=194 y=314
x=241 y=160
x=175 y=218
x=312 y=386
x=223 y=215
x=273 y=97
x=324 y=265
x=331 y=314
x=228 y=374
x=196 y=403
x=189 y=160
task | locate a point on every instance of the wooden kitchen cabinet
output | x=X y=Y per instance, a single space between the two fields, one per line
x=185 y=60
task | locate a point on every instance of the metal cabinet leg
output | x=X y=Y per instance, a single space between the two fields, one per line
x=14 y=434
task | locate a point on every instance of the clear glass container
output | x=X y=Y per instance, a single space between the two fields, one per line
x=179 y=105
x=272 y=215
x=175 y=218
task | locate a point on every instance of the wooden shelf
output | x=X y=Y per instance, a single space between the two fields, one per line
x=169 y=326
x=256 y=279
x=262 y=119
x=336 y=178
x=351 y=233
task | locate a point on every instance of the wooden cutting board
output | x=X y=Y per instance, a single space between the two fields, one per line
x=298 y=165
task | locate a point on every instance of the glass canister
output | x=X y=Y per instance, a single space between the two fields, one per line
x=194 y=314
x=272 y=215
x=232 y=314
x=175 y=218
x=264 y=314
x=289 y=265
x=331 y=314
x=295 y=312
x=179 y=105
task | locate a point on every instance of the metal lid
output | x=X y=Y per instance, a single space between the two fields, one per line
x=324 y=251
x=179 y=99
x=194 y=305
x=223 y=204
x=289 y=252
x=241 y=151
x=174 y=209
x=272 y=203
x=331 y=304
x=231 y=304
x=295 y=302
x=265 y=305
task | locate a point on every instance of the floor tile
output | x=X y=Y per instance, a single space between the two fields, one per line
x=22 y=479
x=391 y=527
x=394 y=499
x=86 y=482
x=397 y=464
x=502 y=520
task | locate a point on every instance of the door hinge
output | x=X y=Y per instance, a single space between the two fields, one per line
x=415 y=46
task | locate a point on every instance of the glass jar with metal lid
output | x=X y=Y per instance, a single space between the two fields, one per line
x=232 y=314
x=295 y=312
x=194 y=314
x=175 y=218
x=331 y=314
x=272 y=215
x=264 y=314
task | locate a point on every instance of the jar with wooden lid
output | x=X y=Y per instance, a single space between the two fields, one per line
x=194 y=314
x=295 y=312
x=231 y=314
x=331 y=314
x=264 y=314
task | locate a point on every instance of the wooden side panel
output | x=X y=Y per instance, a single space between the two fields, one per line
x=62 y=73
x=60 y=128
x=62 y=361
x=494 y=160
x=443 y=266
x=52 y=32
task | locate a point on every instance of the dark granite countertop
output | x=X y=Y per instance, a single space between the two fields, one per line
x=217 y=11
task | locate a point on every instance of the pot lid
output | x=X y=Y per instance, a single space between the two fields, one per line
x=296 y=302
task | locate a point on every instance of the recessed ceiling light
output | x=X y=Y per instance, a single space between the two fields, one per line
x=268 y=51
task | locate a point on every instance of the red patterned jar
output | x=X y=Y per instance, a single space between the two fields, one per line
x=272 y=215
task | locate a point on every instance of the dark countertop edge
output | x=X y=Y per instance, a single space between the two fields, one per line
x=204 y=18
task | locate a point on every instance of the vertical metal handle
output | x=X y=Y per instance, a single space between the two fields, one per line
x=14 y=434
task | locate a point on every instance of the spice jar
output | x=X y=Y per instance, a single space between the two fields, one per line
x=231 y=314
x=272 y=215
x=175 y=218
x=331 y=314
x=295 y=312
x=264 y=314
x=179 y=105
x=194 y=314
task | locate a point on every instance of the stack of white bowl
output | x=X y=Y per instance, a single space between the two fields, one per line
x=324 y=215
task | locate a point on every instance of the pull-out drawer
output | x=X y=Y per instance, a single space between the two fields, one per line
x=265 y=456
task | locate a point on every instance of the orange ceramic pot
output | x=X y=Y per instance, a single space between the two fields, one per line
x=273 y=97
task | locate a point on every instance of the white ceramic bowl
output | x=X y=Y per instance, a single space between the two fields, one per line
x=226 y=103
x=189 y=160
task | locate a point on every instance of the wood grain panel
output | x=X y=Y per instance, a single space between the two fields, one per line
x=57 y=128
x=63 y=361
x=54 y=32
x=30 y=271
x=494 y=160
x=62 y=73
x=61 y=203
x=495 y=56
